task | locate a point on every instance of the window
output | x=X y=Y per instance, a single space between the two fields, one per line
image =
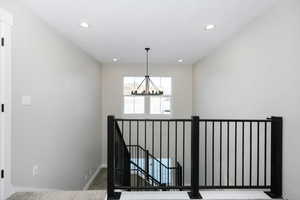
x=148 y=104
x=133 y=104
x=161 y=104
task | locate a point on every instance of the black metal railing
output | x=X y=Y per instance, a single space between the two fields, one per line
x=197 y=154
x=235 y=153
x=166 y=141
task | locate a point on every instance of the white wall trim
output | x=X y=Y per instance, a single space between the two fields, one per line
x=32 y=189
x=6 y=21
x=87 y=185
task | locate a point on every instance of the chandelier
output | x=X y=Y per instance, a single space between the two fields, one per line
x=147 y=87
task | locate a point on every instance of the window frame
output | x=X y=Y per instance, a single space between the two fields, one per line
x=147 y=102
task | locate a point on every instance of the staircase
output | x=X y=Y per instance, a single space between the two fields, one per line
x=137 y=168
x=153 y=171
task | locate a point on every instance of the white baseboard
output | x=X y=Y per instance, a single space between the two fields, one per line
x=87 y=185
x=32 y=189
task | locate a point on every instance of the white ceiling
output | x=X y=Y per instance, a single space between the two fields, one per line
x=173 y=29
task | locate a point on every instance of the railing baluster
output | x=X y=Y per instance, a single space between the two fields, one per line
x=138 y=153
x=122 y=128
x=145 y=134
x=243 y=153
x=168 y=151
x=176 y=142
x=160 y=147
x=147 y=165
x=265 y=156
x=235 y=152
x=228 y=137
x=129 y=132
x=220 y=154
x=257 y=172
x=250 y=173
x=205 y=169
x=183 y=149
x=137 y=177
x=153 y=148
x=213 y=153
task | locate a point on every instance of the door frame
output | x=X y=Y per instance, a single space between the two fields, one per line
x=6 y=23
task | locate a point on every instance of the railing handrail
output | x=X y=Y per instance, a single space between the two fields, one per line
x=235 y=120
x=138 y=119
x=189 y=120
x=145 y=173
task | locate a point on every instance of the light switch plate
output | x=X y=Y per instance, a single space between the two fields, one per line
x=26 y=100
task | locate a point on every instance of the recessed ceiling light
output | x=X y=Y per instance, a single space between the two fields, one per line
x=84 y=24
x=115 y=59
x=180 y=60
x=209 y=27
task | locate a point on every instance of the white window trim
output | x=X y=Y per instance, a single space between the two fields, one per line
x=133 y=107
x=147 y=114
x=167 y=96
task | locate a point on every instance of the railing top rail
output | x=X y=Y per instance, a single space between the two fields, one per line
x=155 y=120
x=201 y=120
x=235 y=120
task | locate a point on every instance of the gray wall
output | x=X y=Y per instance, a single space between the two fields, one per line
x=255 y=75
x=61 y=130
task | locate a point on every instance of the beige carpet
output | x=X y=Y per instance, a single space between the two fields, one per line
x=96 y=191
x=60 y=195
x=99 y=183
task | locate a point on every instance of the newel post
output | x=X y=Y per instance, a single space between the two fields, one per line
x=276 y=157
x=110 y=157
x=194 y=194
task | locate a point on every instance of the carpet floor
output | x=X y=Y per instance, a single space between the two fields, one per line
x=96 y=191
x=60 y=195
x=99 y=183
